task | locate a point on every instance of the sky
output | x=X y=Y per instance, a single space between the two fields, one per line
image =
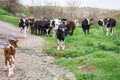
x=106 y=4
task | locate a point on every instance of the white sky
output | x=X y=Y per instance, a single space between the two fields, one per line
x=107 y=4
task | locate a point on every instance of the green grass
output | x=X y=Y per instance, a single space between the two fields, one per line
x=7 y=17
x=95 y=50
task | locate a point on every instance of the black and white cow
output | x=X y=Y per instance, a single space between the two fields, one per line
x=55 y=24
x=22 y=25
x=101 y=23
x=86 y=23
x=109 y=23
x=27 y=23
x=61 y=34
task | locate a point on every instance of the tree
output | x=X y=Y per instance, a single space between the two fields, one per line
x=73 y=6
x=11 y=5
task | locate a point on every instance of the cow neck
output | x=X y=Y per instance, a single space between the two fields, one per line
x=10 y=45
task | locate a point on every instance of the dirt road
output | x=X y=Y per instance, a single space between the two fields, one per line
x=30 y=63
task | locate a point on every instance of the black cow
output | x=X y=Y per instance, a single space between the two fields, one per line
x=86 y=23
x=43 y=27
x=61 y=34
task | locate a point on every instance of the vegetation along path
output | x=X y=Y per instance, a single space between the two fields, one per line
x=30 y=63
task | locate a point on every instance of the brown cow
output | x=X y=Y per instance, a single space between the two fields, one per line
x=70 y=26
x=9 y=53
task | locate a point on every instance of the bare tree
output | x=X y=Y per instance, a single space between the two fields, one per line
x=73 y=6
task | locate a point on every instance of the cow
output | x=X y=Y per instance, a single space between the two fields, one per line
x=70 y=26
x=86 y=23
x=9 y=53
x=22 y=25
x=46 y=26
x=102 y=23
x=109 y=23
x=61 y=35
x=76 y=22
x=27 y=22
x=43 y=26
x=55 y=24
x=32 y=26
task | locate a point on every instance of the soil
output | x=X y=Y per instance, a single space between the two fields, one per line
x=31 y=63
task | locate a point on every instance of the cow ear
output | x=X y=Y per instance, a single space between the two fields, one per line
x=9 y=40
x=17 y=40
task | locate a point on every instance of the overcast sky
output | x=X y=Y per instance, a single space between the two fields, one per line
x=107 y=4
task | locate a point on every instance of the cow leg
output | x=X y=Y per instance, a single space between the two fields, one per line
x=35 y=31
x=54 y=33
x=47 y=32
x=10 y=71
x=21 y=31
x=107 y=30
x=84 y=32
x=88 y=28
x=10 y=68
x=24 y=33
x=63 y=45
x=87 y=31
x=6 y=64
x=58 y=47
x=112 y=31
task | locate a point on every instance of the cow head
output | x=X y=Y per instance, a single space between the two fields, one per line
x=22 y=22
x=90 y=21
x=13 y=42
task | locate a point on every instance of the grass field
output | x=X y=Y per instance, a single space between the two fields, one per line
x=91 y=57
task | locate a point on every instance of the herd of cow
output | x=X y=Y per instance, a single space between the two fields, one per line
x=60 y=28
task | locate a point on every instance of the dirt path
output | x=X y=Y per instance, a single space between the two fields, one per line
x=31 y=62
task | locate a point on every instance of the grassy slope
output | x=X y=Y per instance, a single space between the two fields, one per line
x=100 y=53
x=7 y=17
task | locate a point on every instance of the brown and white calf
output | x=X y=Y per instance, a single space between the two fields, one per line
x=9 y=53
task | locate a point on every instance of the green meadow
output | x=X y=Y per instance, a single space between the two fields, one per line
x=90 y=57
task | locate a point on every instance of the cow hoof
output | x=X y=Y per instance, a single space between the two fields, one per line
x=58 y=49
x=6 y=68
x=10 y=75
